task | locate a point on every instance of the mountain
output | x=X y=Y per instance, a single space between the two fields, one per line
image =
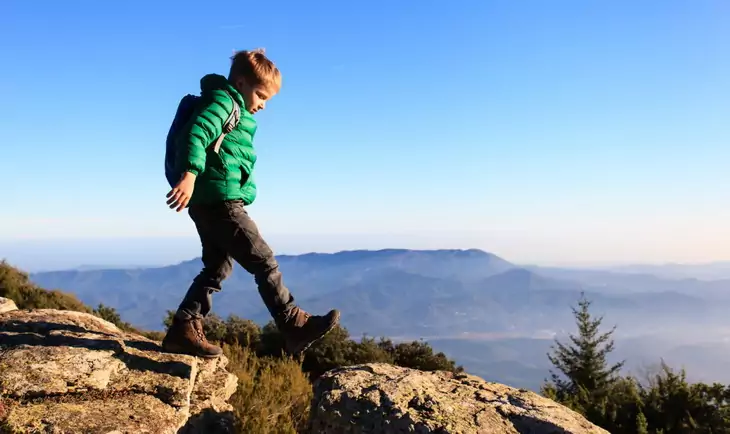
x=142 y=295
x=625 y=283
x=401 y=304
x=400 y=292
x=709 y=271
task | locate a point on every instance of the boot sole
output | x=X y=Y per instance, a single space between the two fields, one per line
x=179 y=350
x=305 y=346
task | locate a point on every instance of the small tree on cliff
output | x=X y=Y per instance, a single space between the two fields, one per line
x=584 y=379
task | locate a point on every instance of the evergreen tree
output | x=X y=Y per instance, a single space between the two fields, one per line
x=672 y=405
x=584 y=376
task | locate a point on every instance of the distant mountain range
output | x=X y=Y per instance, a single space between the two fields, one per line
x=444 y=296
x=710 y=271
x=143 y=294
x=410 y=293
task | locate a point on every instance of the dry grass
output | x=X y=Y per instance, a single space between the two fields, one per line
x=273 y=395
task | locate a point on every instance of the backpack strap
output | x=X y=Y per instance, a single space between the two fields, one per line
x=229 y=125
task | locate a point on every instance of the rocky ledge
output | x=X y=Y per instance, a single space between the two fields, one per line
x=71 y=372
x=386 y=399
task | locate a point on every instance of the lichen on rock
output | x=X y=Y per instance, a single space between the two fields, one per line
x=71 y=372
x=386 y=399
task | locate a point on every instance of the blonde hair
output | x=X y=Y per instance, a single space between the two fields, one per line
x=256 y=69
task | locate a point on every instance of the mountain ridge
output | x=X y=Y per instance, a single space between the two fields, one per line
x=375 y=281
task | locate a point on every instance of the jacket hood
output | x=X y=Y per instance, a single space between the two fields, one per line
x=212 y=82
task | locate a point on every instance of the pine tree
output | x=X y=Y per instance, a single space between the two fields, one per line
x=584 y=377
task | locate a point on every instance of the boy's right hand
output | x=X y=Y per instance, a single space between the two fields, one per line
x=180 y=195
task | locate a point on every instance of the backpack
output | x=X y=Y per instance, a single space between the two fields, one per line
x=184 y=114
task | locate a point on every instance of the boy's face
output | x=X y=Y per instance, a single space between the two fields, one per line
x=255 y=97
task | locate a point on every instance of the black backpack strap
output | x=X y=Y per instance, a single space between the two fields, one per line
x=230 y=123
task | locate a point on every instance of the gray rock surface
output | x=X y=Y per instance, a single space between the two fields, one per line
x=71 y=372
x=386 y=399
x=7 y=305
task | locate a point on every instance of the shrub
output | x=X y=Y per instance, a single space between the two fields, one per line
x=16 y=285
x=273 y=394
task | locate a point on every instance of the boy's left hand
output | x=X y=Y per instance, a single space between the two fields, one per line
x=180 y=195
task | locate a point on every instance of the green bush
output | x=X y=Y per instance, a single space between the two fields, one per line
x=337 y=349
x=16 y=285
x=273 y=394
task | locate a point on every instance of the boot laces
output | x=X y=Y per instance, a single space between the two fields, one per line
x=198 y=327
x=302 y=318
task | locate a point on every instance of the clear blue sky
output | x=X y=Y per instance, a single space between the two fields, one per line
x=560 y=131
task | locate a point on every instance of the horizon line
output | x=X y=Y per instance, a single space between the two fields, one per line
x=585 y=265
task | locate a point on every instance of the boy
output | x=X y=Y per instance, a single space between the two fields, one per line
x=216 y=184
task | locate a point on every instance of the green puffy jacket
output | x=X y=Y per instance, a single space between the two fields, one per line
x=227 y=175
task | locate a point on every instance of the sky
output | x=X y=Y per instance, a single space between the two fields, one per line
x=543 y=131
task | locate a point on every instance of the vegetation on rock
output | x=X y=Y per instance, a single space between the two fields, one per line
x=273 y=395
x=16 y=285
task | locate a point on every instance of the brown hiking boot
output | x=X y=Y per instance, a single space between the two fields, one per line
x=187 y=337
x=301 y=329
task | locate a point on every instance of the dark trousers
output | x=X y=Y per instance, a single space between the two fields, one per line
x=227 y=233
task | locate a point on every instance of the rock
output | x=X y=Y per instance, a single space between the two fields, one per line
x=380 y=398
x=71 y=372
x=7 y=305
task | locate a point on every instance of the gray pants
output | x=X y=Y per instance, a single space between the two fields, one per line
x=227 y=233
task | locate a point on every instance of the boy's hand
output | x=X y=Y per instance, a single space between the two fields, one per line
x=180 y=195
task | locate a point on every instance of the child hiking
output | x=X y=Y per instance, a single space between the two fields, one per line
x=209 y=164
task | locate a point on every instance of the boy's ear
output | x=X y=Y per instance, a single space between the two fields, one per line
x=241 y=84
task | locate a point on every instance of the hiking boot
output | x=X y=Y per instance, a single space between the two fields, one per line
x=301 y=329
x=187 y=337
